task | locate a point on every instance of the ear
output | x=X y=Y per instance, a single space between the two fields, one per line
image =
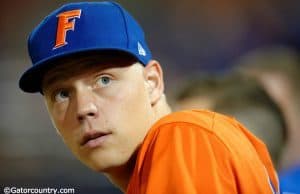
x=154 y=81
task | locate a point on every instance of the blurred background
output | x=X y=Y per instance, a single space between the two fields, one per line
x=188 y=38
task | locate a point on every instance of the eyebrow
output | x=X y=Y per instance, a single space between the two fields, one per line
x=56 y=77
x=71 y=67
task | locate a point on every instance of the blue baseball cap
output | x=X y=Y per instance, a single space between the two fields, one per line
x=82 y=27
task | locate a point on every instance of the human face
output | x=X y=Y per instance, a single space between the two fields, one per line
x=102 y=112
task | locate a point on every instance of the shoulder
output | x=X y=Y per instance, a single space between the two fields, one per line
x=193 y=127
x=195 y=141
x=185 y=143
x=196 y=117
x=202 y=128
x=202 y=118
x=197 y=121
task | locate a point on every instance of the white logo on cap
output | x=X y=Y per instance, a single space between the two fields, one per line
x=141 y=49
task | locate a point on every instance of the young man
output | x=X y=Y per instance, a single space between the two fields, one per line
x=105 y=96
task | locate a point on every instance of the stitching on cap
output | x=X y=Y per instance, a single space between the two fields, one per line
x=125 y=22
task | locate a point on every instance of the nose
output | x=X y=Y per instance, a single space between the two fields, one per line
x=86 y=106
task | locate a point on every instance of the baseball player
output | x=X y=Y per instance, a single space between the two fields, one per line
x=105 y=95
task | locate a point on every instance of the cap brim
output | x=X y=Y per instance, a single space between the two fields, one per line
x=31 y=79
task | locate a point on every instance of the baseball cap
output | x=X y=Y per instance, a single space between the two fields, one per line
x=82 y=27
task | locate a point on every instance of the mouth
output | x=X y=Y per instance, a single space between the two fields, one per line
x=93 y=138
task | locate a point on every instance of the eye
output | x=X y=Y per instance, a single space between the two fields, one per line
x=104 y=80
x=61 y=95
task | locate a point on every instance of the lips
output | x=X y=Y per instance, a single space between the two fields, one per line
x=93 y=138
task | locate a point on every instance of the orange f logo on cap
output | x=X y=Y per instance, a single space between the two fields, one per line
x=64 y=25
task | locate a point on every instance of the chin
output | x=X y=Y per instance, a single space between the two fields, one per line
x=95 y=165
x=100 y=168
x=104 y=168
x=102 y=163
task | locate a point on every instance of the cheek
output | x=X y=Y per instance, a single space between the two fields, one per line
x=64 y=116
x=62 y=123
x=69 y=137
x=131 y=102
x=59 y=111
x=131 y=112
x=54 y=115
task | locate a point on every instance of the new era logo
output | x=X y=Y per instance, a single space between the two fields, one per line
x=141 y=49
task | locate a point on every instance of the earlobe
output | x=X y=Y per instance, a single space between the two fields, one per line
x=154 y=81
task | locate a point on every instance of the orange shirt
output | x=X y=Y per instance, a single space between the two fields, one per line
x=197 y=151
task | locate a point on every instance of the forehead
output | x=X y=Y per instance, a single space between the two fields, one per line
x=81 y=64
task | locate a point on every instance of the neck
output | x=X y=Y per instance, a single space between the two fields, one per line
x=120 y=177
x=162 y=108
